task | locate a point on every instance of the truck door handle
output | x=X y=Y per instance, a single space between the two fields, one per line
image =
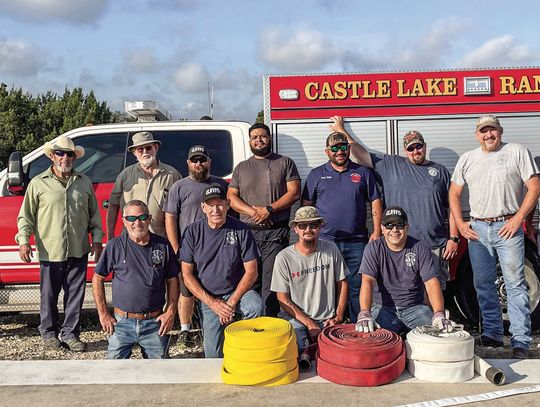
x=105 y=203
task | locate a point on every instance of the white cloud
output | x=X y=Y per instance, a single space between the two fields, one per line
x=500 y=51
x=191 y=77
x=19 y=58
x=80 y=11
x=302 y=50
x=141 y=60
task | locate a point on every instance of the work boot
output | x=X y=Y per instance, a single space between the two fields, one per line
x=488 y=342
x=52 y=343
x=185 y=341
x=520 y=353
x=75 y=345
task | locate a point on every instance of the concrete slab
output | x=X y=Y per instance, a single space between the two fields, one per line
x=182 y=371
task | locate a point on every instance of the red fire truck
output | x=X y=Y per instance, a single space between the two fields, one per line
x=379 y=108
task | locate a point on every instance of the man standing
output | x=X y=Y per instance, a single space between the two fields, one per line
x=310 y=280
x=496 y=173
x=395 y=270
x=149 y=181
x=144 y=267
x=60 y=209
x=262 y=191
x=420 y=187
x=340 y=190
x=224 y=253
x=183 y=207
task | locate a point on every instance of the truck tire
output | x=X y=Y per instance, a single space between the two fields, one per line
x=465 y=294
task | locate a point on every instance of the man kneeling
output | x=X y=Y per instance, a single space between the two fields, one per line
x=395 y=269
x=310 y=279
x=224 y=253
x=144 y=267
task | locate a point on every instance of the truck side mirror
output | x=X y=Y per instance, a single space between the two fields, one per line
x=15 y=175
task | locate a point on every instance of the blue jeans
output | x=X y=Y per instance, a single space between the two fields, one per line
x=300 y=330
x=250 y=306
x=130 y=331
x=352 y=254
x=401 y=319
x=511 y=254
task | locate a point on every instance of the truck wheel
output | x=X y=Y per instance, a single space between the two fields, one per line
x=465 y=294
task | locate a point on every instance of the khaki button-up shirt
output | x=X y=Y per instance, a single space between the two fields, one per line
x=132 y=183
x=60 y=217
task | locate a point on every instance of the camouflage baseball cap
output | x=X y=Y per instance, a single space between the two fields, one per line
x=487 y=120
x=305 y=214
x=336 y=138
x=412 y=137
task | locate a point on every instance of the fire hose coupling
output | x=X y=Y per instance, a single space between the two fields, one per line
x=358 y=358
x=260 y=352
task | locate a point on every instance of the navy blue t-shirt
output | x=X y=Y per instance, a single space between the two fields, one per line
x=139 y=272
x=340 y=198
x=400 y=275
x=421 y=190
x=218 y=254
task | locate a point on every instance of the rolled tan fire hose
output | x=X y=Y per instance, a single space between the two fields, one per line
x=492 y=373
x=441 y=357
x=260 y=352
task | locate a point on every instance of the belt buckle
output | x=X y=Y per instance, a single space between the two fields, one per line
x=146 y=315
x=500 y=218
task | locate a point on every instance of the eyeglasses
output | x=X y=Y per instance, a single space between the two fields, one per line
x=261 y=136
x=311 y=225
x=201 y=160
x=413 y=147
x=133 y=218
x=61 y=153
x=144 y=148
x=342 y=147
x=399 y=226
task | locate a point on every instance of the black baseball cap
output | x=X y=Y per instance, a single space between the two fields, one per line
x=214 y=191
x=196 y=151
x=394 y=214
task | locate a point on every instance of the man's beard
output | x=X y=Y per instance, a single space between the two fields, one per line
x=148 y=162
x=63 y=168
x=263 y=151
x=310 y=244
x=199 y=176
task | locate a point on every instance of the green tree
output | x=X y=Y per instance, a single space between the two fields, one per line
x=260 y=117
x=26 y=122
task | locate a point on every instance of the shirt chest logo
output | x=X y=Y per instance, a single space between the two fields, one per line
x=433 y=171
x=157 y=258
x=231 y=238
x=356 y=178
x=410 y=259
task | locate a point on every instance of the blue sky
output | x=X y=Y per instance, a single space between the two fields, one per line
x=169 y=50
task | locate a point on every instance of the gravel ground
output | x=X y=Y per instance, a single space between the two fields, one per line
x=20 y=340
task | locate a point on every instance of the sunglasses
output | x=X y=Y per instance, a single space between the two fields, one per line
x=260 y=136
x=413 y=147
x=311 y=225
x=133 y=218
x=399 y=226
x=201 y=160
x=342 y=147
x=61 y=153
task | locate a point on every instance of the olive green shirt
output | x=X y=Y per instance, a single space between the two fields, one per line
x=132 y=183
x=60 y=217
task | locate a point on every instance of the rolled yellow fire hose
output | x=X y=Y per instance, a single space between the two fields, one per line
x=260 y=352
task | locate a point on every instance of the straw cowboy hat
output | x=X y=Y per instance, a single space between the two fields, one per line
x=63 y=143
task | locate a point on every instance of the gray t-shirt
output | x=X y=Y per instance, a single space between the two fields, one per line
x=495 y=179
x=310 y=280
x=421 y=190
x=261 y=182
x=400 y=275
x=184 y=200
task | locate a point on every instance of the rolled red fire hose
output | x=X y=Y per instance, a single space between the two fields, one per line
x=359 y=359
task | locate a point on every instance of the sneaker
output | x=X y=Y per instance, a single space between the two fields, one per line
x=75 y=345
x=52 y=343
x=488 y=342
x=184 y=341
x=520 y=353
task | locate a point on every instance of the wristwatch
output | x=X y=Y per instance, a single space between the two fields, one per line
x=269 y=209
x=454 y=239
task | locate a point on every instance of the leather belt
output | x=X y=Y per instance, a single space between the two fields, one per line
x=359 y=359
x=133 y=315
x=496 y=219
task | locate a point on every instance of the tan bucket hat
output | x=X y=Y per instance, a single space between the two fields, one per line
x=142 y=138
x=63 y=143
x=305 y=214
